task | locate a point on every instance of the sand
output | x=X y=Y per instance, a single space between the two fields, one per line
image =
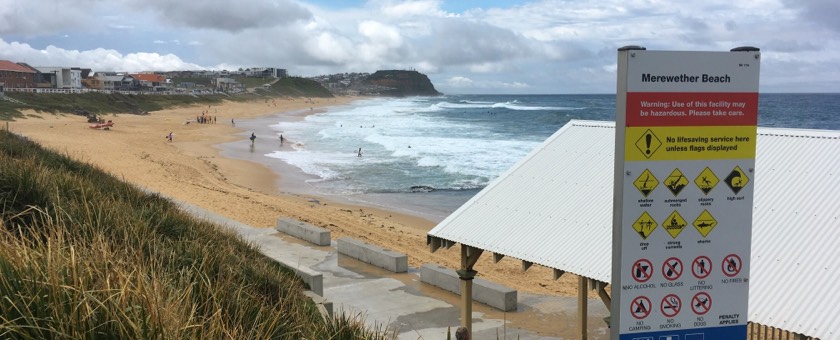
x=191 y=169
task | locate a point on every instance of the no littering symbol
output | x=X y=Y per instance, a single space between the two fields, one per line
x=701 y=267
x=731 y=265
x=640 y=307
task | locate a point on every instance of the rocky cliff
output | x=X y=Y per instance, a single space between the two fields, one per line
x=400 y=83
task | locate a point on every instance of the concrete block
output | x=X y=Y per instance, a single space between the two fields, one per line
x=373 y=254
x=310 y=276
x=303 y=230
x=486 y=292
x=325 y=307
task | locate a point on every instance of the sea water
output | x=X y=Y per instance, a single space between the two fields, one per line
x=429 y=155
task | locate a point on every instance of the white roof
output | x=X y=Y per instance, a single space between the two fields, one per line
x=554 y=208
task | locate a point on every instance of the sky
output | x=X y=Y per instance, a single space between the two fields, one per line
x=465 y=47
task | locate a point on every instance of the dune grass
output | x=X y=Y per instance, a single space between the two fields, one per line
x=84 y=255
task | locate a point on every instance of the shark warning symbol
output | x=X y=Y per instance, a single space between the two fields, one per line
x=705 y=223
x=646 y=182
x=648 y=143
x=736 y=180
x=676 y=181
x=706 y=180
x=644 y=225
x=675 y=224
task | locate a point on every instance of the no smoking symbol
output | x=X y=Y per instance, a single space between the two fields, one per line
x=670 y=305
x=701 y=303
x=640 y=307
x=672 y=268
x=701 y=267
x=731 y=265
x=642 y=270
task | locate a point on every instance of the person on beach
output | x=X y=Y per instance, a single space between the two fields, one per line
x=360 y=153
x=232 y=123
x=169 y=136
x=281 y=139
x=253 y=137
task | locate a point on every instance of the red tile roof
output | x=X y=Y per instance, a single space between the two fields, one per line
x=6 y=65
x=153 y=78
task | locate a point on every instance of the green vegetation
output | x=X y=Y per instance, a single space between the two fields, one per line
x=86 y=256
x=298 y=87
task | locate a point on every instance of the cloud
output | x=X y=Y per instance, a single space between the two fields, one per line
x=225 y=15
x=19 y=17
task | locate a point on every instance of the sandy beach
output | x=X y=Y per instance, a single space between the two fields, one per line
x=190 y=168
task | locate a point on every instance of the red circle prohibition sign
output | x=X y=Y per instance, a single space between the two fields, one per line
x=701 y=267
x=640 y=307
x=731 y=265
x=642 y=270
x=670 y=305
x=672 y=268
x=701 y=303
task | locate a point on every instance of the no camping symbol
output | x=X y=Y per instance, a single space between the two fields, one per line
x=640 y=307
x=731 y=265
x=642 y=270
x=672 y=268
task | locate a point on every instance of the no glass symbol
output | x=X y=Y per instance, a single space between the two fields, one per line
x=672 y=268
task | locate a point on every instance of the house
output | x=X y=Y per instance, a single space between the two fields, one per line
x=117 y=82
x=62 y=77
x=225 y=84
x=13 y=75
x=151 y=82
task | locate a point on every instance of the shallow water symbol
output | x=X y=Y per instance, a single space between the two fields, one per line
x=646 y=182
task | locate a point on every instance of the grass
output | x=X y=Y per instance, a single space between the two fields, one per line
x=84 y=255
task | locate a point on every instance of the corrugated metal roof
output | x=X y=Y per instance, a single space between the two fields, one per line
x=554 y=208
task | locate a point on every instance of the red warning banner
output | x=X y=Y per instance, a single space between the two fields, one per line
x=691 y=109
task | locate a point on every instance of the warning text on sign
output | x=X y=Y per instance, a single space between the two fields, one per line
x=691 y=109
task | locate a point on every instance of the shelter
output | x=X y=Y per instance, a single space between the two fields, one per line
x=561 y=193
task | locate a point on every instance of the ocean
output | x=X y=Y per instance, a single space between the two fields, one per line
x=426 y=156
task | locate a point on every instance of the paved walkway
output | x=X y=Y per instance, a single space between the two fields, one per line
x=416 y=310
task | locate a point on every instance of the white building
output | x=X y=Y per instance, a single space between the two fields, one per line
x=63 y=77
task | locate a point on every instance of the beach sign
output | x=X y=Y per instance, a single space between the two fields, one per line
x=685 y=158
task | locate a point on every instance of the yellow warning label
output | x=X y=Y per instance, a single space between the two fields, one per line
x=705 y=223
x=676 y=181
x=736 y=180
x=648 y=143
x=646 y=182
x=689 y=143
x=675 y=224
x=706 y=180
x=644 y=225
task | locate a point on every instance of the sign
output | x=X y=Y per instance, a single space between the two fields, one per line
x=685 y=154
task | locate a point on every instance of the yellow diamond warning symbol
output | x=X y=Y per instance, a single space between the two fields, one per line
x=705 y=223
x=676 y=181
x=648 y=143
x=706 y=180
x=646 y=182
x=644 y=225
x=675 y=224
x=736 y=180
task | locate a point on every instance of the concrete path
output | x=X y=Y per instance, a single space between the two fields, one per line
x=401 y=303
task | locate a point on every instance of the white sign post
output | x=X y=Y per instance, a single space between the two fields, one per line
x=685 y=154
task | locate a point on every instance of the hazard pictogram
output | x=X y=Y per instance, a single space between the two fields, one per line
x=646 y=182
x=670 y=305
x=672 y=268
x=676 y=181
x=705 y=223
x=701 y=267
x=731 y=265
x=736 y=180
x=648 y=143
x=644 y=225
x=701 y=303
x=642 y=270
x=706 y=180
x=674 y=224
x=640 y=307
